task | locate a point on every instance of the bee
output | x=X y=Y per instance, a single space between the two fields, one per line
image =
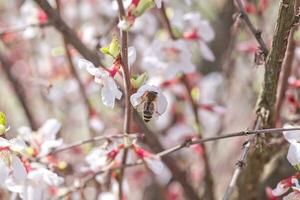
x=148 y=105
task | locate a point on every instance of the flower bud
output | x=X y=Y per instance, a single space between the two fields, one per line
x=2 y=123
x=138 y=81
x=142 y=6
x=113 y=49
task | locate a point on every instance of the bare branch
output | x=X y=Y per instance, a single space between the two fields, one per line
x=127 y=91
x=23 y=28
x=92 y=140
x=265 y=105
x=256 y=33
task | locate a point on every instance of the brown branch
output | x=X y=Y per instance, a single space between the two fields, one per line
x=247 y=182
x=18 y=89
x=127 y=92
x=286 y=71
x=69 y=34
x=165 y=153
x=256 y=33
x=92 y=140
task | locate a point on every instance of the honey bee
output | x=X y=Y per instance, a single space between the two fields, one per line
x=148 y=105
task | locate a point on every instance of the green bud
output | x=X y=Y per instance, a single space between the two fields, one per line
x=138 y=80
x=176 y=32
x=114 y=48
x=105 y=50
x=2 y=123
x=195 y=93
x=297 y=167
x=142 y=7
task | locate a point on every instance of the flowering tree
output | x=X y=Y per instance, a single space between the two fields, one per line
x=128 y=99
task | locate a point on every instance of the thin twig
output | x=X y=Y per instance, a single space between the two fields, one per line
x=242 y=162
x=23 y=28
x=92 y=140
x=256 y=33
x=127 y=91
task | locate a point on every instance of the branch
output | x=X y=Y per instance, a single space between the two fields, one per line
x=23 y=28
x=286 y=71
x=256 y=33
x=69 y=34
x=165 y=153
x=265 y=115
x=92 y=140
x=127 y=91
x=18 y=89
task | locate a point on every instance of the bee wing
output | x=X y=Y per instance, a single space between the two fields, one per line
x=155 y=113
x=140 y=107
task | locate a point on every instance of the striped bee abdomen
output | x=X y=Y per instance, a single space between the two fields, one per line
x=148 y=111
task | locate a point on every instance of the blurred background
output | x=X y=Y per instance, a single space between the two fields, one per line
x=40 y=79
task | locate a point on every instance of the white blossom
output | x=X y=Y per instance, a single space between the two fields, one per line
x=293 y=137
x=45 y=138
x=199 y=29
x=109 y=88
x=166 y=59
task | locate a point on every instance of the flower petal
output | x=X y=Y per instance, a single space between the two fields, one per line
x=17 y=144
x=162 y=103
x=110 y=92
x=50 y=129
x=293 y=155
x=4 y=172
x=206 y=32
x=163 y=174
x=206 y=52
x=280 y=190
x=84 y=64
x=19 y=170
x=291 y=136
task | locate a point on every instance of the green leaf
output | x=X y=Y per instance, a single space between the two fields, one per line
x=142 y=7
x=138 y=80
x=114 y=48
x=2 y=123
x=2 y=119
x=105 y=50
x=176 y=32
x=297 y=167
